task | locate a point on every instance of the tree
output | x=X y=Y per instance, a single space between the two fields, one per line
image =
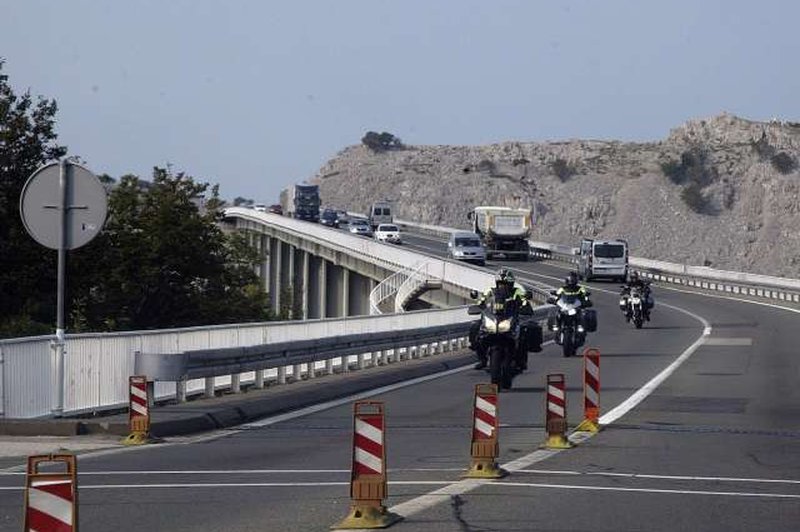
x=381 y=141
x=27 y=270
x=162 y=261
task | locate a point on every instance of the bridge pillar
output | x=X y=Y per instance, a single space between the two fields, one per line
x=289 y=283
x=304 y=283
x=345 y=293
x=323 y=289
x=263 y=252
x=276 y=275
x=313 y=291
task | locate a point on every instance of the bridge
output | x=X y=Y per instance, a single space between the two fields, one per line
x=701 y=429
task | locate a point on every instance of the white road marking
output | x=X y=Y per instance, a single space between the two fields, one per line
x=658 y=477
x=237 y=485
x=730 y=341
x=650 y=490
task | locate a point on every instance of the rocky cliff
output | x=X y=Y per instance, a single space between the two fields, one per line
x=722 y=192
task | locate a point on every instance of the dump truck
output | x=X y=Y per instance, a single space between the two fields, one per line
x=301 y=201
x=502 y=230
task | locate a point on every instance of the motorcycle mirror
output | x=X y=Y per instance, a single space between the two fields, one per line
x=551 y=300
x=474 y=309
x=552 y=292
x=473 y=294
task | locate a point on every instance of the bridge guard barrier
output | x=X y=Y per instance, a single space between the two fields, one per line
x=139 y=411
x=485 y=447
x=556 y=413
x=368 y=483
x=51 y=498
x=591 y=391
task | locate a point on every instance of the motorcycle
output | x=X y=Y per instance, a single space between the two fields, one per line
x=635 y=305
x=572 y=321
x=500 y=334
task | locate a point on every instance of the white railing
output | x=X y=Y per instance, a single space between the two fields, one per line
x=424 y=275
x=386 y=289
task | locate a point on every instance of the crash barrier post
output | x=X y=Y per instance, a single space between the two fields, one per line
x=485 y=447
x=138 y=412
x=51 y=498
x=368 y=484
x=591 y=391
x=556 y=413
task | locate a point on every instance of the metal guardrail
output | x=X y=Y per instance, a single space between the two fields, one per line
x=740 y=283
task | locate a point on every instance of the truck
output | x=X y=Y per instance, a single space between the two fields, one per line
x=502 y=230
x=380 y=213
x=301 y=201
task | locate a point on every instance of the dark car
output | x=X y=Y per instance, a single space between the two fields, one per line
x=276 y=209
x=329 y=218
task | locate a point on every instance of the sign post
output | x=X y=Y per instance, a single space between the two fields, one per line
x=63 y=206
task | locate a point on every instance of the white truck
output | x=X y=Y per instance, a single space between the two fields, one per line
x=503 y=230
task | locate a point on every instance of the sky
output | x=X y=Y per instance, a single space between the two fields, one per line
x=256 y=95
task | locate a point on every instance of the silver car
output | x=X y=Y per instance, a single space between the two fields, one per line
x=466 y=246
x=360 y=227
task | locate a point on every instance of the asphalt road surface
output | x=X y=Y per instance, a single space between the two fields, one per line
x=702 y=432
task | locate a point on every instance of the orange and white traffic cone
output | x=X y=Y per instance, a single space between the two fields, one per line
x=556 y=413
x=591 y=391
x=485 y=447
x=51 y=499
x=368 y=484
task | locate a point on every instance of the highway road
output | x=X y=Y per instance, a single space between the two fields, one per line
x=713 y=443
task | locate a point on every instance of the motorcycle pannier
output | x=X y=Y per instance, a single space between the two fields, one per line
x=589 y=318
x=531 y=335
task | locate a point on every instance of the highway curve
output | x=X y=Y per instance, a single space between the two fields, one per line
x=714 y=446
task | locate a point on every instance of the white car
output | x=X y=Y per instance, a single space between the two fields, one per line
x=389 y=233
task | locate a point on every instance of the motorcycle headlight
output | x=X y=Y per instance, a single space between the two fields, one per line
x=622 y=302
x=504 y=326
x=490 y=324
x=572 y=312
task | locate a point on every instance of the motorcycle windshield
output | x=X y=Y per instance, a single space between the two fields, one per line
x=499 y=308
x=567 y=302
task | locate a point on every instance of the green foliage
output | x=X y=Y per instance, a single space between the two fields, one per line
x=562 y=169
x=693 y=195
x=27 y=270
x=162 y=262
x=380 y=142
x=783 y=162
x=239 y=201
x=762 y=147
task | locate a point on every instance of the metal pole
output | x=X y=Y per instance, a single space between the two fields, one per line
x=63 y=182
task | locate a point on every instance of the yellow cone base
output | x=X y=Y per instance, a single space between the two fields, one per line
x=368 y=517
x=587 y=425
x=139 y=438
x=484 y=469
x=557 y=441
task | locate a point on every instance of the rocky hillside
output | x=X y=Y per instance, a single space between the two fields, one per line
x=722 y=192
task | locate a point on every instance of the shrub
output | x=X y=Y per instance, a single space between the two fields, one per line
x=693 y=196
x=485 y=165
x=693 y=167
x=562 y=169
x=783 y=162
x=381 y=141
x=674 y=171
x=762 y=147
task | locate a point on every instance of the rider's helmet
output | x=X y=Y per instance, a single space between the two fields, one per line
x=572 y=280
x=633 y=277
x=504 y=276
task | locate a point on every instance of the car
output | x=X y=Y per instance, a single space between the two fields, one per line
x=466 y=246
x=388 y=233
x=260 y=207
x=276 y=209
x=359 y=226
x=329 y=218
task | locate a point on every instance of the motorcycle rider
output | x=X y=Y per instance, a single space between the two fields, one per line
x=572 y=288
x=635 y=281
x=509 y=291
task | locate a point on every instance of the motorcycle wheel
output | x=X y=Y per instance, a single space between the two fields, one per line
x=568 y=346
x=637 y=320
x=500 y=368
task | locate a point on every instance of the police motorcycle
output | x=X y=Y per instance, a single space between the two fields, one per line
x=505 y=336
x=571 y=322
x=632 y=303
